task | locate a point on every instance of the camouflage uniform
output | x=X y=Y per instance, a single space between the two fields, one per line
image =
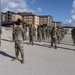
x=43 y=33
x=18 y=40
x=54 y=37
x=48 y=32
x=73 y=35
x=62 y=32
x=31 y=34
x=25 y=28
x=13 y=29
x=0 y=35
x=39 y=34
x=58 y=36
x=34 y=31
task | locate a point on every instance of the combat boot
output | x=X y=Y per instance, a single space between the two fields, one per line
x=55 y=47
x=32 y=44
x=16 y=58
x=22 y=60
x=74 y=43
x=51 y=45
x=58 y=42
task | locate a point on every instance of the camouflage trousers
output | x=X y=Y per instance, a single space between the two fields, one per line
x=58 y=39
x=53 y=41
x=25 y=35
x=31 y=39
x=19 y=48
x=0 y=40
x=73 y=38
x=43 y=36
x=39 y=38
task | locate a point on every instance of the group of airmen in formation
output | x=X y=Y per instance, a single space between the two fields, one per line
x=20 y=33
x=39 y=34
x=43 y=32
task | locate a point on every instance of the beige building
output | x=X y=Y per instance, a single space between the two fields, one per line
x=30 y=18
x=57 y=24
x=10 y=16
x=16 y=16
x=2 y=17
x=45 y=19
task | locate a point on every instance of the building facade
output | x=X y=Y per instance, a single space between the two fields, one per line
x=2 y=17
x=11 y=16
x=28 y=17
x=8 y=17
x=45 y=19
x=57 y=24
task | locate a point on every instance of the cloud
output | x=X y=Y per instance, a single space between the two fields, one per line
x=73 y=5
x=71 y=21
x=33 y=1
x=4 y=1
x=39 y=10
x=67 y=21
x=73 y=17
x=72 y=11
x=14 y=5
x=73 y=14
x=6 y=9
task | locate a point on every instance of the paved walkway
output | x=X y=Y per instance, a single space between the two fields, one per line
x=39 y=59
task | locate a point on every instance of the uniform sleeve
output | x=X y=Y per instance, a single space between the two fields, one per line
x=23 y=35
x=0 y=31
x=13 y=34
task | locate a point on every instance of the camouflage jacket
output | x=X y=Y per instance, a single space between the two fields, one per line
x=0 y=31
x=18 y=34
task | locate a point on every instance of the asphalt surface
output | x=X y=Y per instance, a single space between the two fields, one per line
x=39 y=58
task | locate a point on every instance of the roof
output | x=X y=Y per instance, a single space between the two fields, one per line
x=11 y=12
x=2 y=13
x=27 y=14
x=56 y=21
x=45 y=16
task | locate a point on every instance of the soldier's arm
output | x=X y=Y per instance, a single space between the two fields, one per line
x=13 y=35
x=23 y=35
x=0 y=31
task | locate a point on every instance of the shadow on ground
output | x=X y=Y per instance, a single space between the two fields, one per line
x=5 y=54
x=45 y=45
x=48 y=46
x=66 y=48
x=6 y=40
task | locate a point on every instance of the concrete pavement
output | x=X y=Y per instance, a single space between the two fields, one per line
x=39 y=58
